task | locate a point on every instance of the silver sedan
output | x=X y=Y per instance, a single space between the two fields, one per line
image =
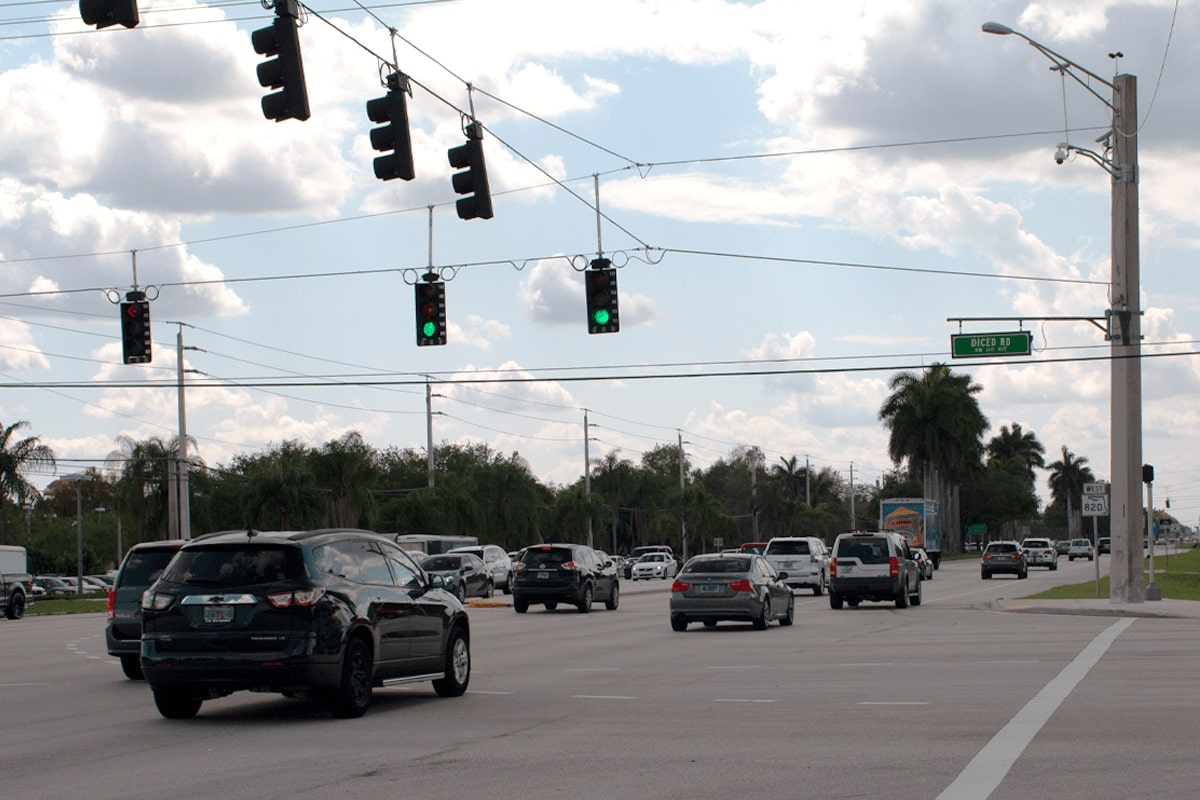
x=744 y=587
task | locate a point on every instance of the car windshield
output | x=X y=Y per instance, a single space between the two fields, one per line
x=867 y=551
x=787 y=549
x=652 y=557
x=548 y=558
x=442 y=563
x=236 y=566
x=717 y=565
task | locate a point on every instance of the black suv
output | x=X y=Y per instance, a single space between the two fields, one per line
x=123 y=633
x=563 y=573
x=329 y=612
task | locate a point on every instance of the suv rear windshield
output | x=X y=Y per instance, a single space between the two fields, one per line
x=1038 y=543
x=1002 y=548
x=240 y=565
x=548 y=558
x=787 y=549
x=867 y=550
x=143 y=567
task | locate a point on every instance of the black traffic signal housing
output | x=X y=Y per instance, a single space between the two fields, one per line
x=103 y=13
x=600 y=286
x=285 y=71
x=392 y=109
x=135 y=328
x=430 y=296
x=473 y=179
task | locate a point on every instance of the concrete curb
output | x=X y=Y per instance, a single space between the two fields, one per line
x=1163 y=609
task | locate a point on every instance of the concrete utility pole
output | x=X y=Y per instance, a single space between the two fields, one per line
x=1126 y=520
x=429 y=432
x=682 y=511
x=181 y=483
x=587 y=484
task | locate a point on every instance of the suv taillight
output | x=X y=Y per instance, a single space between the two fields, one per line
x=110 y=604
x=894 y=567
x=833 y=567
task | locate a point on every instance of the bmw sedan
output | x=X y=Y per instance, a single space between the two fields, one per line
x=712 y=588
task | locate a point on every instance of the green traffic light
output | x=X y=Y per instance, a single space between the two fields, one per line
x=600 y=317
x=429 y=329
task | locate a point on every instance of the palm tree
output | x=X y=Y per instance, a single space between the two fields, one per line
x=937 y=427
x=1014 y=444
x=16 y=458
x=1067 y=477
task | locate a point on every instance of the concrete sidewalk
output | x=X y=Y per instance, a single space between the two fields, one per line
x=1103 y=607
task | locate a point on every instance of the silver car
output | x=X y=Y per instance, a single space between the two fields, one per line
x=744 y=587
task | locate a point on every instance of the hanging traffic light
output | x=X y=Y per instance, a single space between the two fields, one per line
x=286 y=71
x=135 y=328
x=431 y=311
x=600 y=286
x=473 y=179
x=392 y=108
x=103 y=13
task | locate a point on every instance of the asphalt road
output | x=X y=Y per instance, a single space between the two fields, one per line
x=955 y=699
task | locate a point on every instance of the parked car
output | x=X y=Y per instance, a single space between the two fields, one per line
x=1040 y=553
x=142 y=565
x=498 y=562
x=655 y=565
x=53 y=585
x=743 y=587
x=333 y=613
x=1104 y=546
x=563 y=573
x=1003 y=557
x=924 y=561
x=464 y=574
x=876 y=566
x=805 y=559
x=1080 y=548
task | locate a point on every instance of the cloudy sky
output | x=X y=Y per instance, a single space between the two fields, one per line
x=799 y=196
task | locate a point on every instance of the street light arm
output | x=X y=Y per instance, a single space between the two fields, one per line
x=1060 y=61
x=1094 y=156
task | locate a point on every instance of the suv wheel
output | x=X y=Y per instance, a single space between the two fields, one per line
x=131 y=665
x=457 y=673
x=764 y=619
x=520 y=606
x=916 y=598
x=585 y=605
x=902 y=596
x=614 y=597
x=835 y=600
x=819 y=589
x=352 y=698
x=176 y=703
x=16 y=605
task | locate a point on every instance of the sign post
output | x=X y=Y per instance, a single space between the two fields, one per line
x=1094 y=504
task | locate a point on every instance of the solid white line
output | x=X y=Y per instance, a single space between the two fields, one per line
x=473 y=691
x=743 y=666
x=601 y=697
x=739 y=700
x=869 y=664
x=893 y=703
x=989 y=766
x=590 y=669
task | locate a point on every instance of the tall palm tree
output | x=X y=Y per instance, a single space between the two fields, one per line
x=1067 y=477
x=17 y=457
x=1015 y=444
x=937 y=428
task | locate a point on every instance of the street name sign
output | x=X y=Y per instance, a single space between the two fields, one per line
x=977 y=345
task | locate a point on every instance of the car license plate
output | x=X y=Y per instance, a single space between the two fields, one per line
x=846 y=568
x=218 y=613
x=711 y=588
x=543 y=576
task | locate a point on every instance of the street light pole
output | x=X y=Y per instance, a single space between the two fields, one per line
x=1126 y=584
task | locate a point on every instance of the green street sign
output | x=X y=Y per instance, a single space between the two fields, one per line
x=977 y=345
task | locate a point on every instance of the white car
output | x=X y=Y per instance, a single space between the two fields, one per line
x=1080 y=548
x=655 y=565
x=498 y=562
x=805 y=559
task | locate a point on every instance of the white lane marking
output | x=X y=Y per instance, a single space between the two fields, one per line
x=989 y=766
x=590 y=669
x=739 y=700
x=869 y=664
x=601 y=697
x=742 y=666
x=893 y=703
x=473 y=691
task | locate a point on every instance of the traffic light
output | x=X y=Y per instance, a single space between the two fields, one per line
x=431 y=311
x=600 y=286
x=392 y=108
x=286 y=71
x=103 y=13
x=135 y=328
x=473 y=179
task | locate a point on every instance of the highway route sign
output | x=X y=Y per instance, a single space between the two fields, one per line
x=1095 y=505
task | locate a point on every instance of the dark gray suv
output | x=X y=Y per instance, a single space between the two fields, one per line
x=123 y=634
